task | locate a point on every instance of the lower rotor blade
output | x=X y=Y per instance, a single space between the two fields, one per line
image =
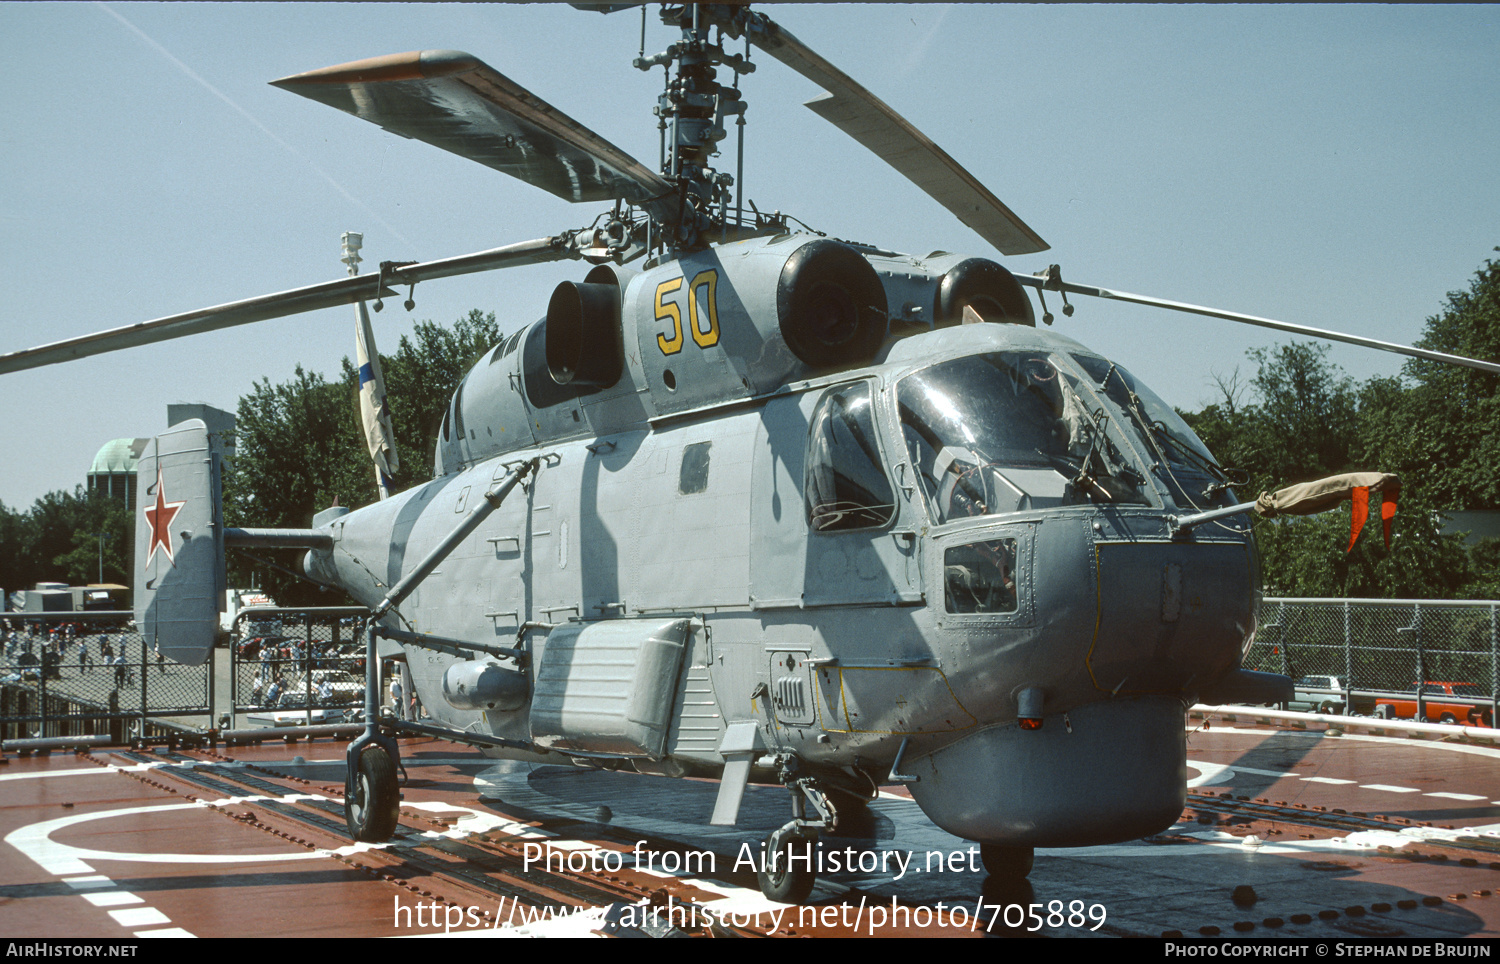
x=345 y=291
x=1437 y=356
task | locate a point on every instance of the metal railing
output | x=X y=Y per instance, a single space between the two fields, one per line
x=65 y=674
x=1384 y=649
x=298 y=667
x=72 y=674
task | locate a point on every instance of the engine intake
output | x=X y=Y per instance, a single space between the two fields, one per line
x=831 y=305
x=986 y=287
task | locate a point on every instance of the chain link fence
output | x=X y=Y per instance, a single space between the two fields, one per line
x=1386 y=653
x=75 y=674
x=297 y=667
x=66 y=674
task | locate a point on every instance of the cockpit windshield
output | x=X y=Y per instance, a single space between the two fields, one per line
x=1008 y=431
x=1183 y=462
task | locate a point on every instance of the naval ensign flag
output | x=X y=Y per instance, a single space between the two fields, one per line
x=373 y=410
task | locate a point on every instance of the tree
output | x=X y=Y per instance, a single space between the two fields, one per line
x=421 y=377
x=1302 y=425
x=14 y=573
x=58 y=540
x=1306 y=418
x=1308 y=556
x=300 y=446
x=1446 y=427
x=297 y=451
x=1309 y=420
x=102 y=538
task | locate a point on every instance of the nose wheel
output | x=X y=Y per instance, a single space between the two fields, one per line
x=1012 y=863
x=786 y=866
x=372 y=804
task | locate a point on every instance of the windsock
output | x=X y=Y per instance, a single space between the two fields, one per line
x=1310 y=497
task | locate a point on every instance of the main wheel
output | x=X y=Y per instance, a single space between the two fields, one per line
x=783 y=879
x=373 y=811
x=1003 y=861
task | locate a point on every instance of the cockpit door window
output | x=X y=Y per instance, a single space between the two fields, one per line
x=845 y=483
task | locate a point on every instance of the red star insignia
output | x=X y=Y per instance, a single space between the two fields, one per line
x=159 y=517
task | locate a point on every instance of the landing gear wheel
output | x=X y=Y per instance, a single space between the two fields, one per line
x=1003 y=861
x=373 y=810
x=785 y=880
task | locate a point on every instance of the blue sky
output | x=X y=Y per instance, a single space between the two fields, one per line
x=1328 y=165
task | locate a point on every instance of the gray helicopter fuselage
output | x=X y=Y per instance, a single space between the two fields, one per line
x=850 y=560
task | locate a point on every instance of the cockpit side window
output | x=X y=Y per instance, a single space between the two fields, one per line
x=845 y=484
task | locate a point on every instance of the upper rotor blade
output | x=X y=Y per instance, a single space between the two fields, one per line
x=869 y=120
x=1437 y=356
x=454 y=101
x=345 y=291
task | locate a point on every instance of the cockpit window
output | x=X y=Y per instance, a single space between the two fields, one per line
x=1163 y=436
x=1010 y=431
x=981 y=578
x=845 y=485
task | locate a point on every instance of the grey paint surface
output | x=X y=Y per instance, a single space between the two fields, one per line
x=837 y=646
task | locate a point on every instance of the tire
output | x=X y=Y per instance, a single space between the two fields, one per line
x=1327 y=709
x=1447 y=718
x=1385 y=712
x=373 y=811
x=1008 y=862
x=787 y=883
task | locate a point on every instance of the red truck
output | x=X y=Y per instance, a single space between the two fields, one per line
x=1446 y=703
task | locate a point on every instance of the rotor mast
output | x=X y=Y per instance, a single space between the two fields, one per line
x=693 y=107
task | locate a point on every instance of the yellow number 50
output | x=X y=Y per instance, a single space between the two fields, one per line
x=670 y=342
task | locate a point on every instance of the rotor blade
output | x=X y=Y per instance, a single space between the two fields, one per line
x=344 y=291
x=1077 y=289
x=452 y=100
x=869 y=120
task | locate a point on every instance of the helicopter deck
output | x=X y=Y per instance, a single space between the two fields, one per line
x=1339 y=836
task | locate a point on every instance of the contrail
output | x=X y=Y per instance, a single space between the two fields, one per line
x=920 y=49
x=264 y=129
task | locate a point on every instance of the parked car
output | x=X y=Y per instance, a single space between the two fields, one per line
x=1446 y=703
x=251 y=646
x=344 y=687
x=1318 y=694
x=292 y=711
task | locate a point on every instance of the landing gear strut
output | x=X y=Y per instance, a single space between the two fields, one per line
x=372 y=796
x=786 y=862
x=786 y=872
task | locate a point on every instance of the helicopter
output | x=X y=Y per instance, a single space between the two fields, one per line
x=769 y=506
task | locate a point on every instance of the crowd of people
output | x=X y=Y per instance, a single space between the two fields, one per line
x=33 y=650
